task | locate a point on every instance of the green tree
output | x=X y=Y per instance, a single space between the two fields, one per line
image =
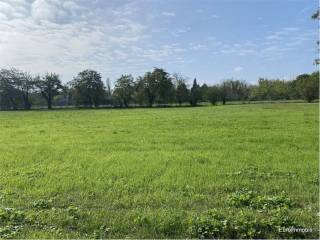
x=181 y=89
x=88 y=89
x=49 y=86
x=165 y=88
x=139 y=95
x=223 y=90
x=150 y=86
x=124 y=89
x=108 y=92
x=262 y=91
x=15 y=89
x=9 y=94
x=308 y=86
x=213 y=94
x=203 y=92
x=195 y=94
x=26 y=85
x=234 y=90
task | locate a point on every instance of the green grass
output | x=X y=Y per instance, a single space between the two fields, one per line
x=155 y=173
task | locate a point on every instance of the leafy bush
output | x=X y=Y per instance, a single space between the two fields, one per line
x=245 y=225
x=248 y=226
x=248 y=198
x=242 y=198
x=209 y=225
x=265 y=202
x=11 y=222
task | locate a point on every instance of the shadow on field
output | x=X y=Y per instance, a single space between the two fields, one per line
x=203 y=104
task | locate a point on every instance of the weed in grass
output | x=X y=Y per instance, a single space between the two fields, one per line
x=209 y=225
x=253 y=173
x=245 y=225
x=11 y=222
x=171 y=225
x=101 y=233
x=249 y=198
x=42 y=204
x=72 y=215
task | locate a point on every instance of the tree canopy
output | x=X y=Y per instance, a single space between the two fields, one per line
x=87 y=88
x=21 y=90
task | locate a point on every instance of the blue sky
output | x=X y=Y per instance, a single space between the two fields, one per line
x=211 y=40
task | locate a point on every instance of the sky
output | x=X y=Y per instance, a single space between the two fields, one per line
x=210 y=40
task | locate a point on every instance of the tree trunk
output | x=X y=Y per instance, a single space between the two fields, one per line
x=49 y=103
x=150 y=101
x=27 y=104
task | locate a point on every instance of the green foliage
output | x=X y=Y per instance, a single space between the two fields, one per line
x=213 y=95
x=11 y=222
x=245 y=225
x=20 y=90
x=164 y=85
x=242 y=198
x=308 y=86
x=87 y=88
x=248 y=226
x=49 y=86
x=124 y=90
x=234 y=90
x=253 y=173
x=249 y=198
x=15 y=89
x=42 y=204
x=269 y=89
x=181 y=89
x=102 y=232
x=171 y=225
x=74 y=212
x=195 y=93
x=209 y=225
x=157 y=87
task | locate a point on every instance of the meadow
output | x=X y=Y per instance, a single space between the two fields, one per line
x=233 y=171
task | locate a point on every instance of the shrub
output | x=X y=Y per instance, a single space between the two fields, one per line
x=250 y=199
x=248 y=226
x=241 y=198
x=209 y=225
x=11 y=222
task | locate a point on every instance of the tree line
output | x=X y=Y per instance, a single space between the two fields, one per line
x=21 y=90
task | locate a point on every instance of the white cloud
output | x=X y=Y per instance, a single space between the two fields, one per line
x=274 y=37
x=13 y=9
x=197 y=47
x=161 y=52
x=168 y=14
x=180 y=32
x=65 y=37
x=213 y=16
x=238 y=69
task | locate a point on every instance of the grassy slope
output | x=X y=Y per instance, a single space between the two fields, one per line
x=134 y=170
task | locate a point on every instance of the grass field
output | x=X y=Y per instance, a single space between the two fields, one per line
x=224 y=171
